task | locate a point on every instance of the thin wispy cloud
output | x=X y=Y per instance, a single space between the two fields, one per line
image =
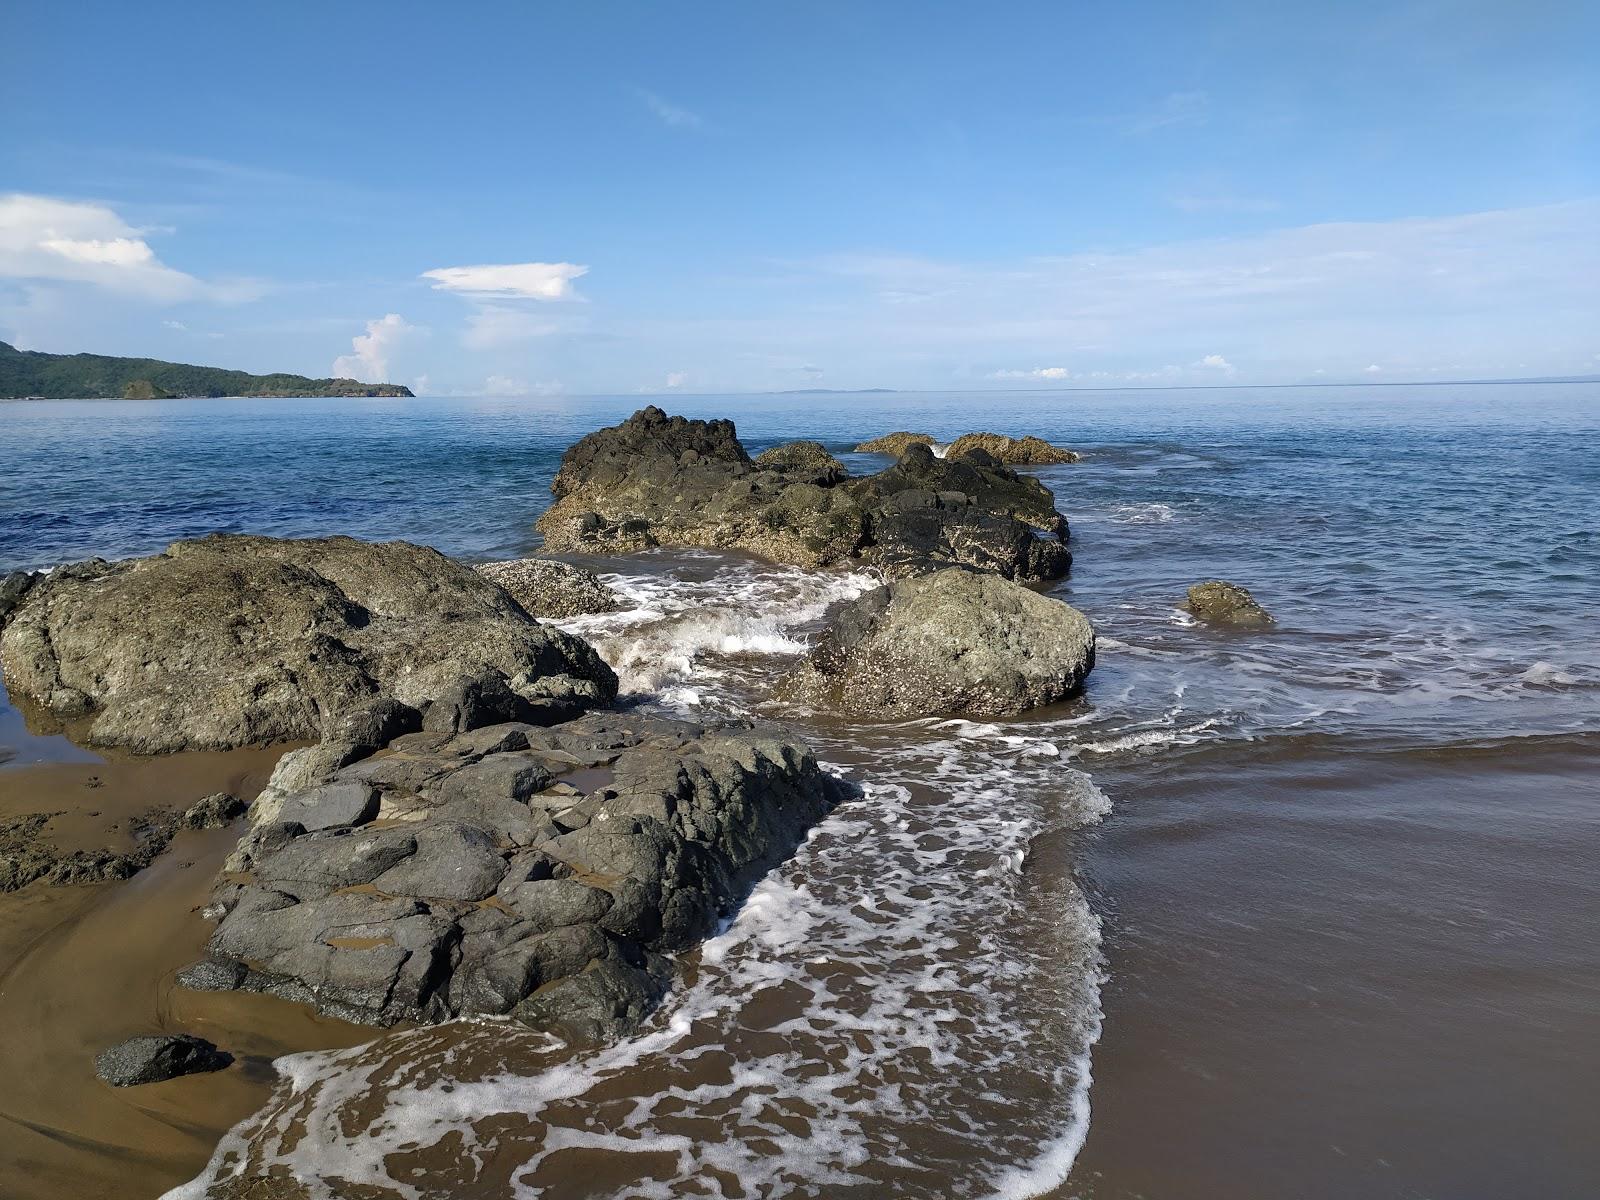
x=43 y=239
x=1036 y=373
x=524 y=281
x=669 y=113
x=1174 y=110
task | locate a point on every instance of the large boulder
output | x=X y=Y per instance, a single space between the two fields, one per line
x=956 y=642
x=1221 y=603
x=235 y=640
x=548 y=587
x=656 y=480
x=1027 y=451
x=473 y=878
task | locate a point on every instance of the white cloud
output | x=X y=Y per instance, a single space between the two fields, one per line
x=671 y=114
x=505 y=385
x=1174 y=109
x=68 y=241
x=178 y=325
x=375 y=348
x=1374 y=369
x=523 y=281
x=1215 y=362
x=1036 y=373
x=676 y=379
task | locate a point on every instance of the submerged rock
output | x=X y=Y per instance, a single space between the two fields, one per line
x=1223 y=603
x=491 y=886
x=1027 y=451
x=656 y=480
x=156 y=1057
x=957 y=642
x=233 y=640
x=894 y=444
x=547 y=587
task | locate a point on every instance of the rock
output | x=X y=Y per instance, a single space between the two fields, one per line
x=894 y=444
x=957 y=642
x=928 y=513
x=234 y=640
x=495 y=881
x=331 y=806
x=1223 y=603
x=373 y=726
x=299 y=770
x=213 y=975
x=808 y=462
x=656 y=480
x=213 y=812
x=547 y=587
x=1015 y=452
x=156 y=1057
x=12 y=587
x=452 y=862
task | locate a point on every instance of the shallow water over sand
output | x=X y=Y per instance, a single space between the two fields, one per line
x=1285 y=882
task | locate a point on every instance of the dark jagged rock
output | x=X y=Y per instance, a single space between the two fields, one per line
x=957 y=642
x=490 y=885
x=656 y=480
x=12 y=587
x=235 y=640
x=156 y=1057
x=547 y=587
x=1222 y=603
x=928 y=513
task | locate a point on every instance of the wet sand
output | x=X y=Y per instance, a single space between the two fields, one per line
x=1336 y=974
x=82 y=967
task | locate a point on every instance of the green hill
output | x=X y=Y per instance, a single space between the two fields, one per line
x=27 y=373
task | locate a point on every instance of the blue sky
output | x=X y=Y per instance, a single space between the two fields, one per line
x=616 y=197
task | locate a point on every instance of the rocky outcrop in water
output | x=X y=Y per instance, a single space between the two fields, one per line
x=1027 y=451
x=956 y=642
x=233 y=640
x=547 y=587
x=155 y=1057
x=656 y=480
x=808 y=462
x=541 y=872
x=894 y=444
x=1221 y=603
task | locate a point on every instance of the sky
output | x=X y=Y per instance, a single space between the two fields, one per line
x=543 y=198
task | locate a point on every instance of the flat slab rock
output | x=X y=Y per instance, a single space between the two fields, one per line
x=540 y=872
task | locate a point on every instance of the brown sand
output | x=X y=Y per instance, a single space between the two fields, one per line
x=84 y=967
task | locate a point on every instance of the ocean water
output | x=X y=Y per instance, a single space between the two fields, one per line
x=911 y=1006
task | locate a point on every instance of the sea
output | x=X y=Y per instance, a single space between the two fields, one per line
x=1306 y=912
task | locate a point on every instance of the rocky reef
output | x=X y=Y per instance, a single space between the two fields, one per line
x=957 y=642
x=233 y=640
x=1027 y=451
x=540 y=872
x=656 y=480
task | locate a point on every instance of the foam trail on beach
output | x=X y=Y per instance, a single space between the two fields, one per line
x=830 y=1040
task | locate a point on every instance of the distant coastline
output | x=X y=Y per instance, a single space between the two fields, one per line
x=32 y=375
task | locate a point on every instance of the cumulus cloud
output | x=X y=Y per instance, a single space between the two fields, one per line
x=374 y=349
x=1215 y=362
x=44 y=239
x=676 y=379
x=1035 y=373
x=522 y=281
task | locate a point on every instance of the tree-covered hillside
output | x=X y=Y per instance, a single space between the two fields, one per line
x=26 y=373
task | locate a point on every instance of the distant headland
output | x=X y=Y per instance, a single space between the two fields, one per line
x=28 y=374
